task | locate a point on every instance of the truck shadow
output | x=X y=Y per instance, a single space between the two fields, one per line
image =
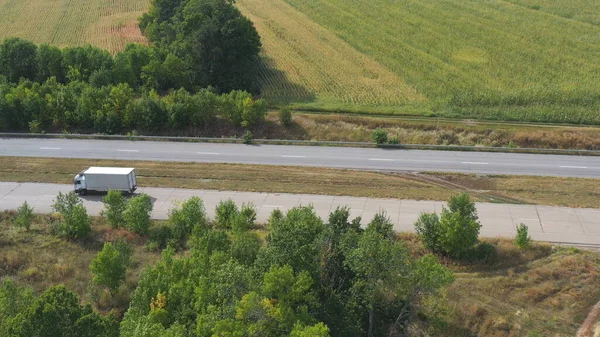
x=97 y=197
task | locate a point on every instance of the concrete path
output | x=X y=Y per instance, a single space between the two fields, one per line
x=553 y=224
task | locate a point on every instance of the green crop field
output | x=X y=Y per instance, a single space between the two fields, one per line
x=109 y=24
x=520 y=60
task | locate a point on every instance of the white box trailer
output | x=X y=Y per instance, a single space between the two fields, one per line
x=105 y=178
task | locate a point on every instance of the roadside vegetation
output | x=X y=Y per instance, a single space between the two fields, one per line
x=298 y=275
x=569 y=192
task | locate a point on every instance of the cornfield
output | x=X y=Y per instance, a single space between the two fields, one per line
x=303 y=61
x=108 y=24
x=534 y=60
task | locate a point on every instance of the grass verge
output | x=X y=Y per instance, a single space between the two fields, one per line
x=569 y=192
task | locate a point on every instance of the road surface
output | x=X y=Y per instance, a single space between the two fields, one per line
x=335 y=157
x=552 y=224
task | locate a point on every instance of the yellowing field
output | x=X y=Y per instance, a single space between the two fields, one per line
x=524 y=60
x=109 y=24
x=303 y=62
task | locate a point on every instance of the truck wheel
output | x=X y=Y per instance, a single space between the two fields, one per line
x=83 y=192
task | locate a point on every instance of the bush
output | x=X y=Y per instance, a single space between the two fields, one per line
x=379 y=136
x=109 y=267
x=394 y=141
x=522 y=240
x=161 y=236
x=114 y=204
x=463 y=205
x=75 y=223
x=276 y=216
x=225 y=213
x=285 y=117
x=247 y=137
x=24 y=216
x=248 y=216
x=137 y=214
x=189 y=215
x=484 y=252
x=428 y=229
x=458 y=234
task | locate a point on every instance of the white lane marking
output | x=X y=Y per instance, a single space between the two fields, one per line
x=271 y=206
x=49 y=148
x=284 y=156
x=380 y=159
x=209 y=153
x=575 y=167
x=128 y=150
x=474 y=163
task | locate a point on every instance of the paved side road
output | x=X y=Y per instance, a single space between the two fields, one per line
x=553 y=224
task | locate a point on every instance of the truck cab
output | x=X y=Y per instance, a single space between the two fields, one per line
x=79 y=181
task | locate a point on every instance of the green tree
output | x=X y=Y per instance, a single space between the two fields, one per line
x=218 y=45
x=317 y=330
x=463 y=205
x=428 y=228
x=379 y=263
x=109 y=267
x=49 y=63
x=55 y=313
x=75 y=223
x=225 y=213
x=18 y=59
x=114 y=206
x=379 y=136
x=285 y=117
x=189 y=215
x=24 y=216
x=458 y=233
x=137 y=214
x=295 y=240
x=522 y=240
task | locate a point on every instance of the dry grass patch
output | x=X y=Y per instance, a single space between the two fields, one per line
x=39 y=259
x=544 y=291
x=442 y=132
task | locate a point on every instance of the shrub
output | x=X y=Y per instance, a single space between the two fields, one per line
x=458 y=233
x=185 y=218
x=394 y=141
x=161 y=236
x=114 y=204
x=285 y=117
x=109 y=267
x=463 y=205
x=247 y=138
x=24 y=216
x=276 y=216
x=522 y=240
x=379 y=136
x=137 y=214
x=75 y=223
x=428 y=229
x=484 y=252
x=248 y=216
x=225 y=213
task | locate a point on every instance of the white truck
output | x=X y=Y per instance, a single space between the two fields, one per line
x=105 y=178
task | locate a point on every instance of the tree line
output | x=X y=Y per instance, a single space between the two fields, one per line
x=80 y=106
x=200 y=44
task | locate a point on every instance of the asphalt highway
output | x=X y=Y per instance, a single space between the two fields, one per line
x=313 y=156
